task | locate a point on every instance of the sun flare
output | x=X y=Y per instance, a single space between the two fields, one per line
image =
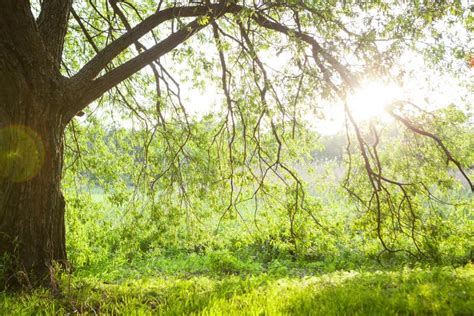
x=372 y=100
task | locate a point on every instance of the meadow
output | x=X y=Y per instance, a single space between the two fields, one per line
x=178 y=287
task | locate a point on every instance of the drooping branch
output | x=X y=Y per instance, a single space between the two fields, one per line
x=52 y=25
x=450 y=158
x=273 y=25
x=83 y=28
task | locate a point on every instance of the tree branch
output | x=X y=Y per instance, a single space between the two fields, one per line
x=105 y=56
x=99 y=86
x=83 y=80
x=438 y=141
x=266 y=23
x=140 y=48
x=20 y=39
x=52 y=25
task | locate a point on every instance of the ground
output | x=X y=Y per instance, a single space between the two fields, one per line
x=278 y=291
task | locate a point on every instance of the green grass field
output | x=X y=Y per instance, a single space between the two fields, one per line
x=434 y=291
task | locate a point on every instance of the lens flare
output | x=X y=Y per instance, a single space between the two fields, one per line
x=22 y=153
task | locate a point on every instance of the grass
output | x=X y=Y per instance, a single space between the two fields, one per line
x=434 y=291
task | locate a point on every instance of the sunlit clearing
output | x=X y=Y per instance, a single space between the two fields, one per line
x=372 y=99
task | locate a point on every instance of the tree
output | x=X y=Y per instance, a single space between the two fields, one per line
x=43 y=86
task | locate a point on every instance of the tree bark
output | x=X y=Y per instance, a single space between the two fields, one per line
x=32 y=232
x=32 y=207
x=32 y=97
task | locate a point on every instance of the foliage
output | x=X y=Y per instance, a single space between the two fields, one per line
x=118 y=211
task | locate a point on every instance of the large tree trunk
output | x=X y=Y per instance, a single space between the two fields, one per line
x=31 y=152
x=31 y=204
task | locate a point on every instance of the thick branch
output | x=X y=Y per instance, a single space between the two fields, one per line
x=52 y=25
x=98 y=63
x=99 y=86
x=140 y=48
x=20 y=39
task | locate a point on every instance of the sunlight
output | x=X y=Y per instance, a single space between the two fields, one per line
x=372 y=99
